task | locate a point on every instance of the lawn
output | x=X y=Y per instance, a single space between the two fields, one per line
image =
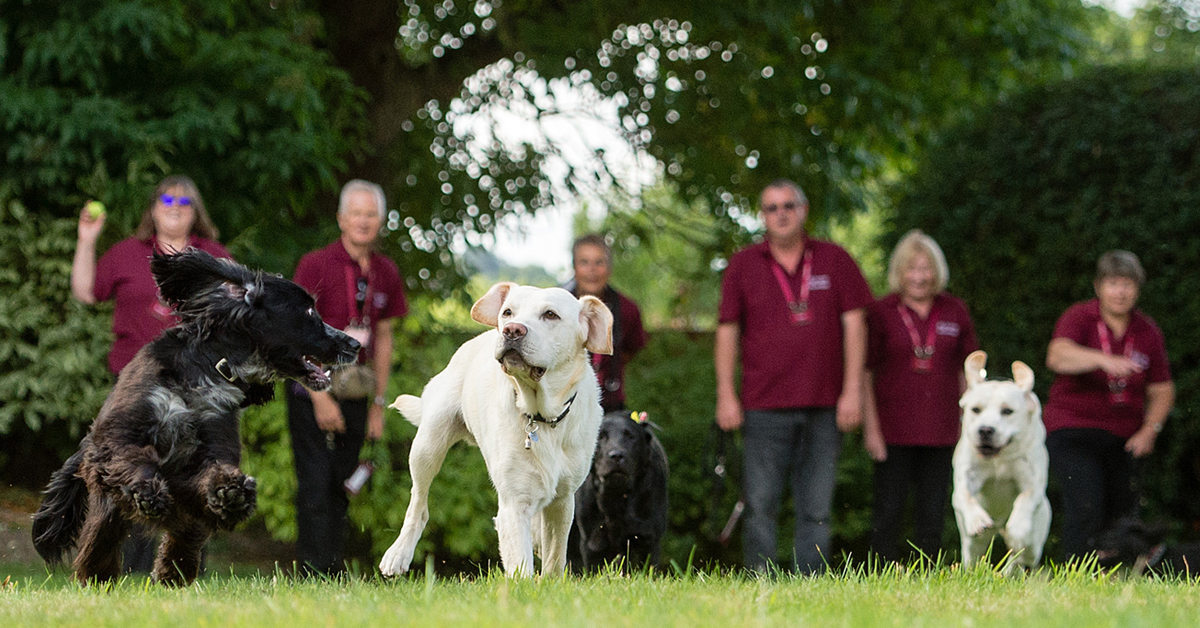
x=938 y=597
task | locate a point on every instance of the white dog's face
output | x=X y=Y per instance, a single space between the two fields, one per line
x=541 y=328
x=995 y=413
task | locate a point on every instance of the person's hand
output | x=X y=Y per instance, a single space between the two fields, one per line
x=849 y=410
x=375 y=422
x=89 y=227
x=729 y=414
x=1141 y=444
x=874 y=444
x=1119 y=366
x=328 y=413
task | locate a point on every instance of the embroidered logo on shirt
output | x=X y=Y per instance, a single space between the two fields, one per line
x=1141 y=359
x=819 y=282
x=380 y=300
x=948 y=328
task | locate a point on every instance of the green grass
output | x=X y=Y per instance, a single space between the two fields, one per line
x=938 y=597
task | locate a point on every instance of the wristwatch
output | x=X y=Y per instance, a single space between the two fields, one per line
x=380 y=401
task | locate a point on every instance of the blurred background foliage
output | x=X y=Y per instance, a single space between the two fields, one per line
x=1025 y=135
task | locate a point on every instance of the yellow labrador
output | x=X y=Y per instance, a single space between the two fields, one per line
x=1001 y=466
x=525 y=393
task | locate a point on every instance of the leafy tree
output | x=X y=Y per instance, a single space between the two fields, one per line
x=1026 y=198
x=726 y=95
x=102 y=99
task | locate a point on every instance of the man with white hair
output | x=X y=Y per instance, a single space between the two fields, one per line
x=360 y=291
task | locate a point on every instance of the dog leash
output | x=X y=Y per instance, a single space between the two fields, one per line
x=531 y=427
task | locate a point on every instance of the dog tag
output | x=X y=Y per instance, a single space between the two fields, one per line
x=800 y=313
x=1116 y=392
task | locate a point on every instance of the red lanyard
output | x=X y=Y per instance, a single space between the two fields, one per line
x=352 y=303
x=920 y=350
x=1116 y=385
x=798 y=307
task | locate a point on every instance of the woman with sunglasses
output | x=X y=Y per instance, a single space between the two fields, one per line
x=174 y=220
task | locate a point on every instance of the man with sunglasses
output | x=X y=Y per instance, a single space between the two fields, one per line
x=793 y=310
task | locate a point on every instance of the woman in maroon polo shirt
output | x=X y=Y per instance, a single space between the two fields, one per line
x=1111 y=395
x=174 y=219
x=918 y=338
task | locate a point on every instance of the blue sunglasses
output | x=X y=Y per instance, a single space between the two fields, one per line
x=169 y=200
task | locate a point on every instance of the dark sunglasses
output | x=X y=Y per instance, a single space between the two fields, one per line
x=770 y=209
x=168 y=200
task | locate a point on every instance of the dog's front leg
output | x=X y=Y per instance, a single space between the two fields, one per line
x=514 y=522
x=556 y=528
x=131 y=476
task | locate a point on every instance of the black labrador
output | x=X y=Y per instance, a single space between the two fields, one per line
x=621 y=508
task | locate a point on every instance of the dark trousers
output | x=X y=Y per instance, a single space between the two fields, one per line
x=799 y=447
x=1095 y=477
x=322 y=465
x=924 y=472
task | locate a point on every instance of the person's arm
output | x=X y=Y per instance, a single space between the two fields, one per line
x=854 y=350
x=872 y=434
x=1067 y=357
x=381 y=360
x=1160 y=398
x=83 y=266
x=725 y=355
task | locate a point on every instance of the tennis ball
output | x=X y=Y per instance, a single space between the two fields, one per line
x=94 y=208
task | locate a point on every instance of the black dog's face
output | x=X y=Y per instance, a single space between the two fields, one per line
x=252 y=313
x=293 y=340
x=622 y=446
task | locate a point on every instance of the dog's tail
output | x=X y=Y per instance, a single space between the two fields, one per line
x=58 y=520
x=409 y=407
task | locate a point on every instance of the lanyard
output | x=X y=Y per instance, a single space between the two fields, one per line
x=1116 y=385
x=352 y=303
x=798 y=307
x=920 y=350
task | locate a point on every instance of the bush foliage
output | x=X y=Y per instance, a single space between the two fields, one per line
x=1025 y=199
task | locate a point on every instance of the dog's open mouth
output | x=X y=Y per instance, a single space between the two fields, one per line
x=512 y=363
x=988 y=451
x=318 y=377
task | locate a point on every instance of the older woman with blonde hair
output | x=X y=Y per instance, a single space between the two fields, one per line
x=918 y=338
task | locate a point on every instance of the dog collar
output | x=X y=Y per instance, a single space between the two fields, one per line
x=225 y=370
x=531 y=427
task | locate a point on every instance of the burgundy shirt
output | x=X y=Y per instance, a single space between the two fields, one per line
x=919 y=408
x=785 y=365
x=324 y=274
x=1084 y=400
x=139 y=316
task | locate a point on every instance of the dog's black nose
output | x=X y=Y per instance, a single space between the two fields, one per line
x=986 y=433
x=616 y=455
x=514 y=331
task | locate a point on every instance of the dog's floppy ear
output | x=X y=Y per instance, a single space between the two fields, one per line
x=597 y=322
x=194 y=281
x=1022 y=375
x=973 y=367
x=487 y=309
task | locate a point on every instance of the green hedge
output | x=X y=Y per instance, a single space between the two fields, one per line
x=1026 y=197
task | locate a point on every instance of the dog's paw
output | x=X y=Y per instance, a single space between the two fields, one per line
x=150 y=497
x=977 y=521
x=234 y=500
x=395 y=561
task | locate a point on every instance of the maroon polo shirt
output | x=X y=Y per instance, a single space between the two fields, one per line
x=139 y=316
x=785 y=365
x=1084 y=400
x=324 y=274
x=918 y=408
